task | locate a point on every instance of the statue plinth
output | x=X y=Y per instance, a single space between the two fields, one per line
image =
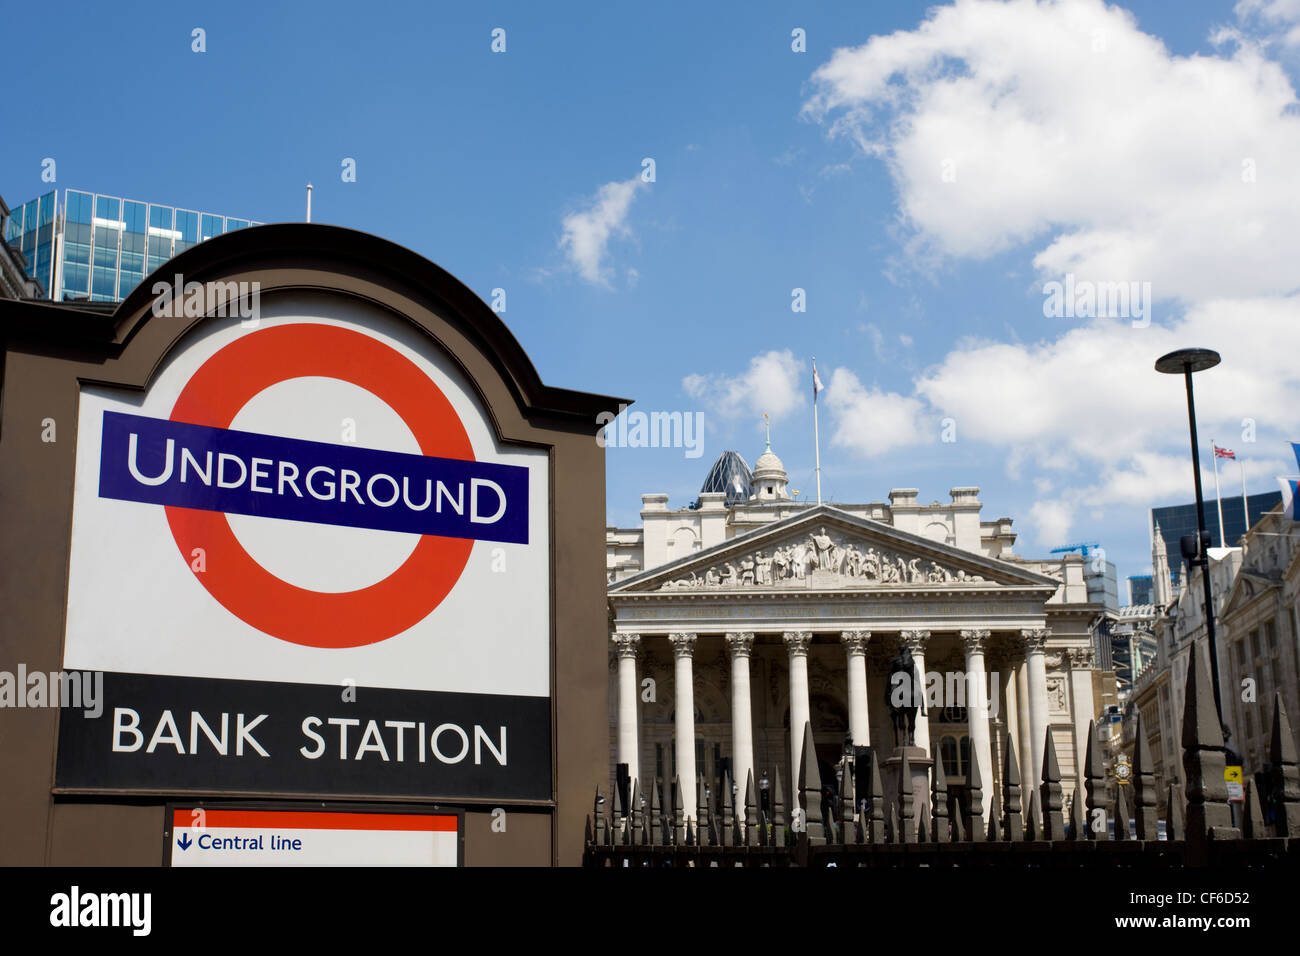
x=919 y=764
x=821 y=578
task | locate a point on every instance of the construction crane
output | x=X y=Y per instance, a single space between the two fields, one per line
x=1083 y=547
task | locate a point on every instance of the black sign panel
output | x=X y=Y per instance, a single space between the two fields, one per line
x=189 y=734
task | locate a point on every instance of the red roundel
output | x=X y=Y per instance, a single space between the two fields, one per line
x=214 y=396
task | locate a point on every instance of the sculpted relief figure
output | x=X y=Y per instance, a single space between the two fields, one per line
x=800 y=561
x=780 y=564
x=846 y=564
x=871 y=565
x=747 y=570
x=824 y=545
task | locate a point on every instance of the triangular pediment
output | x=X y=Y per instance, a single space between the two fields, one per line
x=825 y=548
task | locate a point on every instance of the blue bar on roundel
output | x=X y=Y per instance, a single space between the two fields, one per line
x=161 y=462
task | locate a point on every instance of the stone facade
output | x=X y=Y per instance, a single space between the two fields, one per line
x=794 y=612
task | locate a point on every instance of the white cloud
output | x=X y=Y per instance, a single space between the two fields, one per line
x=1279 y=19
x=1068 y=127
x=871 y=422
x=587 y=233
x=1052 y=521
x=771 y=385
x=1068 y=130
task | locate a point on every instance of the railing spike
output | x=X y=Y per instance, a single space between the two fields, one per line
x=939 y=802
x=679 y=814
x=1121 y=812
x=1053 y=821
x=1034 y=818
x=1253 y=818
x=876 y=799
x=1208 y=814
x=1144 y=785
x=1286 y=774
x=810 y=791
x=1175 y=829
x=848 y=800
x=975 y=812
x=1076 y=817
x=1011 y=794
x=778 y=813
x=635 y=832
x=1094 y=785
x=751 y=812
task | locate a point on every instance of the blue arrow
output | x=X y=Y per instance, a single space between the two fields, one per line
x=184 y=842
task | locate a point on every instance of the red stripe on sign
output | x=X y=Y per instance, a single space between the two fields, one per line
x=313 y=820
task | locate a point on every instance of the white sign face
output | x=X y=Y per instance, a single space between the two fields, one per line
x=320 y=499
x=312 y=838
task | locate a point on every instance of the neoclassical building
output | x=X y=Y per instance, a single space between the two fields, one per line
x=748 y=613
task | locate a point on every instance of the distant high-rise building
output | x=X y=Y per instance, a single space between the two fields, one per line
x=98 y=248
x=1139 y=589
x=1102 y=580
x=15 y=283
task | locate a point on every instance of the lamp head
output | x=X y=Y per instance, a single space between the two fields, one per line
x=1185 y=360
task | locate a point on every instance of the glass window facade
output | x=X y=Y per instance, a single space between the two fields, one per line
x=1178 y=520
x=101 y=247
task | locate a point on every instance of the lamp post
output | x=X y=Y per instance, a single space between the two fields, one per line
x=1184 y=362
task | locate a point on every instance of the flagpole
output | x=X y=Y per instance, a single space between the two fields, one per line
x=1245 y=508
x=817 y=441
x=1218 y=499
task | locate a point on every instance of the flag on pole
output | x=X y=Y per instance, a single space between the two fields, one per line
x=1224 y=453
x=818 y=386
x=1290 y=498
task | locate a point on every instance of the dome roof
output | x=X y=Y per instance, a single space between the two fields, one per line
x=729 y=475
x=768 y=464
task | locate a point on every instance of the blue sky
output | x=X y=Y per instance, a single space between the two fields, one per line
x=921 y=187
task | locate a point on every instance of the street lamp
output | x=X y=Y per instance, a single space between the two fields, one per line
x=763 y=785
x=1184 y=362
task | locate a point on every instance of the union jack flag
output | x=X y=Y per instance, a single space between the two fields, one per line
x=1224 y=453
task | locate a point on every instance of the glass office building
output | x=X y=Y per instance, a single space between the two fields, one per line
x=91 y=247
x=1178 y=520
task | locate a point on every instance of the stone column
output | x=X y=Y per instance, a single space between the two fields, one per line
x=1010 y=704
x=977 y=709
x=684 y=691
x=796 y=643
x=627 y=646
x=1036 y=679
x=740 y=644
x=1024 y=748
x=915 y=642
x=1081 y=707
x=855 y=645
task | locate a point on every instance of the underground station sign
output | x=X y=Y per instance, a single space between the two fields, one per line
x=304 y=564
x=219 y=837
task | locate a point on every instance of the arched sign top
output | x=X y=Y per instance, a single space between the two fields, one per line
x=286 y=256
